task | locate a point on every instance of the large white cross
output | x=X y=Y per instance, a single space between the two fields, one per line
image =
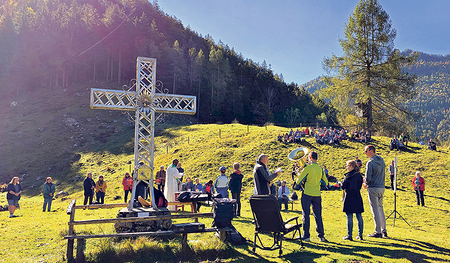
x=144 y=99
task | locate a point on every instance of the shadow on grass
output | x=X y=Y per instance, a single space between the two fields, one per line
x=411 y=250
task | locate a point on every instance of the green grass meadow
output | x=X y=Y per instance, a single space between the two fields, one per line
x=38 y=237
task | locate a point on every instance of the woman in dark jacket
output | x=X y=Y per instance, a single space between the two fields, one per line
x=235 y=186
x=353 y=203
x=89 y=186
x=14 y=189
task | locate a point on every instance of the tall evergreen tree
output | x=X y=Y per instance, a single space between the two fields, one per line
x=370 y=74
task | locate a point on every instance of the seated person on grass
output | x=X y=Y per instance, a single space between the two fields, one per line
x=431 y=145
x=394 y=143
x=279 y=138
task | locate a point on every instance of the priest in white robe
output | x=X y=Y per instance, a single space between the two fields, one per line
x=171 y=186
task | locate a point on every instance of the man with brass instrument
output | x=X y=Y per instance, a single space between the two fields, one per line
x=314 y=175
x=262 y=176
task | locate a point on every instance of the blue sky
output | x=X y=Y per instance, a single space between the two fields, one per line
x=295 y=35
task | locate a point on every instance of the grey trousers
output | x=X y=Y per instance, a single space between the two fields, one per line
x=376 y=206
x=316 y=202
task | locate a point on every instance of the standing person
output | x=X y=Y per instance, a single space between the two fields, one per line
x=89 y=186
x=14 y=189
x=392 y=172
x=48 y=191
x=374 y=180
x=171 y=186
x=127 y=183
x=353 y=203
x=314 y=175
x=419 y=186
x=161 y=175
x=236 y=187
x=358 y=163
x=283 y=195
x=100 y=189
x=262 y=176
x=181 y=171
x=221 y=183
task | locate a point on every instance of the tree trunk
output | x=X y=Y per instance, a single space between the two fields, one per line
x=369 y=115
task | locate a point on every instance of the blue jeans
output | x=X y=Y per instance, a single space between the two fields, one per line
x=350 y=224
x=49 y=202
x=284 y=199
x=223 y=191
x=100 y=197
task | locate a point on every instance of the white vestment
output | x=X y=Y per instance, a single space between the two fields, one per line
x=171 y=186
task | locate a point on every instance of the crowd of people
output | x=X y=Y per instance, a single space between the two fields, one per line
x=360 y=136
x=323 y=135
x=330 y=135
x=399 y=142
x=294 y=136
x=172 y=180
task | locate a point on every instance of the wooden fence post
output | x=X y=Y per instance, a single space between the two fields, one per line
x=219 y=134
x=80 y=250
x=71 y=212
x=247 y=128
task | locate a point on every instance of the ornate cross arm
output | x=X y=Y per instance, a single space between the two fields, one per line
x=127 y=101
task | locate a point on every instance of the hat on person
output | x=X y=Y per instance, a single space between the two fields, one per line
x=222 y=168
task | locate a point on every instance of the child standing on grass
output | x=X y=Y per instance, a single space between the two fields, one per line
x=419 y=186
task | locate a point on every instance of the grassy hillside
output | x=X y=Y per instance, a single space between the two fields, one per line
x=202 y=149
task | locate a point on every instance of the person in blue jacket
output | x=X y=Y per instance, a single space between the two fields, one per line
x=48 y=191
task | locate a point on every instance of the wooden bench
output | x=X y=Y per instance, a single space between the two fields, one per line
x=182 y=204
x=82 y=238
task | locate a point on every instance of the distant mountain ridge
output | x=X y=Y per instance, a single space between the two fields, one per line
x=433 y=99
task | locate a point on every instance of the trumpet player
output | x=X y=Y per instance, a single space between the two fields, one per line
x=314 y=175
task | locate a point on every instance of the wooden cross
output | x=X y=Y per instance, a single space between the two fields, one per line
x=144 y=99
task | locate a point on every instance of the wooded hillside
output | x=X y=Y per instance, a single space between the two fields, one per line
x=59 y=44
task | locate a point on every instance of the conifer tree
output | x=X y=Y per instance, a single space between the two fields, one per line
x=370 y=74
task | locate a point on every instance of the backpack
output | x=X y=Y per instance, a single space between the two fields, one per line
x=184 y=197
x=223 y=212
x=234 y=237
x=160 y=200
x=294 y=196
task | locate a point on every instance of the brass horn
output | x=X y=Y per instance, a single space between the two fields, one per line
x=298 y=155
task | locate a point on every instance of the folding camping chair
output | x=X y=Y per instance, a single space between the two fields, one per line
x=267 y=216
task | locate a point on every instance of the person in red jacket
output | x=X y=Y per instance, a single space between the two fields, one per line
x=419 y=186
x=127 y=183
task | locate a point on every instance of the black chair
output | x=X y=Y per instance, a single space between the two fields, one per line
x=267 y=219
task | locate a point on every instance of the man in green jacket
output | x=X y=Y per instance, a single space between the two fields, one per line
x=313 y=175
x=48 y=191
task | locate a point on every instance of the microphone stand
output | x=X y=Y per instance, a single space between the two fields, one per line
x=395 y=212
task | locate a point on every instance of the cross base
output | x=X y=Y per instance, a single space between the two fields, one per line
x=143 y=226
